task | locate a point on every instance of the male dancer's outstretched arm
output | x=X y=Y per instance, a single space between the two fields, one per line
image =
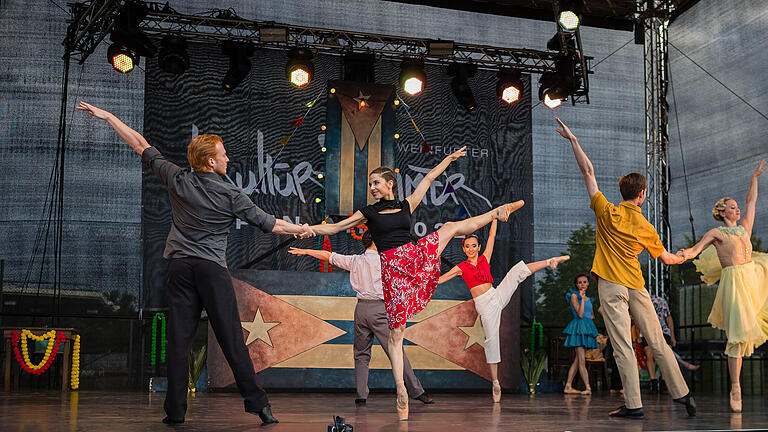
x=585 y=165
x=242 y=204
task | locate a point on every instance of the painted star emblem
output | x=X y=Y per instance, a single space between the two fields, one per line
x=475 y=334
x=362 y=100
x=258 y=329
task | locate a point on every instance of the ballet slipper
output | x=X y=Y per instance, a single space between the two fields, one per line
x=503 y=212
x=588 y=391
x=496 y=391
x=553 y=262
x=402 y=402
x=735 y=398
x=570 y=390
x=692 y=367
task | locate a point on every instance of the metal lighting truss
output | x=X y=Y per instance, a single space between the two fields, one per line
x=654 y=15
x=93 y=20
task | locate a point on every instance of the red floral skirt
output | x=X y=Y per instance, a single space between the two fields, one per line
x=409 y=276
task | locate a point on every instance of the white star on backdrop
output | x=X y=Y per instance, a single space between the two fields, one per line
x=258 y=329
x=475 y=334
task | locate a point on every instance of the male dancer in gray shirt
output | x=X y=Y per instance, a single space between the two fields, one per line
x=204 y=206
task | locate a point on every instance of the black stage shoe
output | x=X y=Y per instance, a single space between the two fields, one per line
x=170 y=421
x=623 y=411
x=265 y=414
x=654 y=386
x=359 y=401
x=690 y=404
x=663 y=387
x=425 y=399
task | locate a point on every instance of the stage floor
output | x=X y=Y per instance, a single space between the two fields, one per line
x=123 y=411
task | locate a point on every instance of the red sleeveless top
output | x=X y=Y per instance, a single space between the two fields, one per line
x=476 y=275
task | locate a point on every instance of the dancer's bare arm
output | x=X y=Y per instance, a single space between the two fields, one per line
x=130 y=136
x=319 y=254
x=356 y=219
x=749 y=214
x=578 y=305
x=300 y=231
x=711 y=237
x=491 y=240
x=415 y=198
x=452 y=273
x=585 y=165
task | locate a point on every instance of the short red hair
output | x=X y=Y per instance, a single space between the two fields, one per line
x=202 y=148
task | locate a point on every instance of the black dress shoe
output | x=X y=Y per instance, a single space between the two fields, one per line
x=623 y=411
x=170 y=421
x=359 y=401
x=425 y=399
x=265 y=414
x=690 y=404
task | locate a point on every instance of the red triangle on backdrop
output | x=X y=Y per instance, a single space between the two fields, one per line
x=441 y=335
x=296 y=332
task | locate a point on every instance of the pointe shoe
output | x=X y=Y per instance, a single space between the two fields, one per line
x=402 y=403
x=588 y=391
x=555 y=261
x=570 y=390
x=503 y=212
x=496 y=391
x=735 y=399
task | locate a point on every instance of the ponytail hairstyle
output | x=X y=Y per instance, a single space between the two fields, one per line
x=720 y=206
x=388 y=175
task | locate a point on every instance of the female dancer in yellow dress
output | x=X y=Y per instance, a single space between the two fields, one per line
x=741 y=306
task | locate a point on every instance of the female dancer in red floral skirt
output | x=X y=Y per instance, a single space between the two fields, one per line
x=409 y=269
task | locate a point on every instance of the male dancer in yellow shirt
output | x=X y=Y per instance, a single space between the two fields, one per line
x=622 y=233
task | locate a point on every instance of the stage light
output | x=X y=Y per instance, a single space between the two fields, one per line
x=552 y=103
x=460 y=73
x=126 y=30
x=510 y=86
x=359 y=67
x=556 y=86
x=173 y=57
x=299 y=70
x=121 y=58
x=569 y=15
x=412 y=76
x=239 y=62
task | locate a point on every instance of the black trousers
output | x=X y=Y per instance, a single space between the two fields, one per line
x=194 y=284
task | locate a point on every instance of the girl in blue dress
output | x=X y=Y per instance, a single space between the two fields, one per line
x=581 y=333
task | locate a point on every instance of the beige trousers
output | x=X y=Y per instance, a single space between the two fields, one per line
x=617 y=302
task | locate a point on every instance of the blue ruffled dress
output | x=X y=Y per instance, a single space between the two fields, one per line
x=581 y=332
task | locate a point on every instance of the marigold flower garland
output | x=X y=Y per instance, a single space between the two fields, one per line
x=54 y=339
x=75 y=376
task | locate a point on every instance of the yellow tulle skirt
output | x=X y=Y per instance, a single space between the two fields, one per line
x=741 y=302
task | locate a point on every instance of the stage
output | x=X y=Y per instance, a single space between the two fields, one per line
x=135 y=411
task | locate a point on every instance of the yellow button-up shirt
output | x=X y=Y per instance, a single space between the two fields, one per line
x=622 y=233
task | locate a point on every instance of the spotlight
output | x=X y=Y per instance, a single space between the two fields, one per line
x=510 y=85
x=121 y=58
x=569 y=15
x=412 y=76
x=173 y=57
x=239 y=62
x=555 y=86
x=126 y=30
x=359 y=67
x=460 y=73
x=299 y=70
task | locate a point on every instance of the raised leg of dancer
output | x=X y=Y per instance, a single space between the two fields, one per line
x=449 y=230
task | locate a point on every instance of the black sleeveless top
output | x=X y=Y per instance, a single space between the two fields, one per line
x=389 y=230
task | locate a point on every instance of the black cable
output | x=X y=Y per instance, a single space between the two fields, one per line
x=718 y=81
x=682 y=156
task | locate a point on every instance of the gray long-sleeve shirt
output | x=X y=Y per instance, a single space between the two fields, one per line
x=204 y=207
